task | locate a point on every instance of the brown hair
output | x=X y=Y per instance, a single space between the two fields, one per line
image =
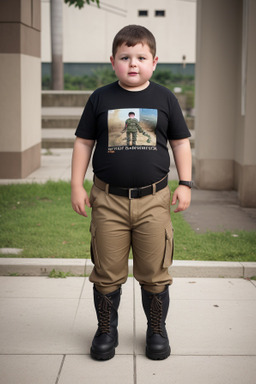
x=132 y=35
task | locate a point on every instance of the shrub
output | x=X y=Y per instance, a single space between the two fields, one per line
x=104 y=76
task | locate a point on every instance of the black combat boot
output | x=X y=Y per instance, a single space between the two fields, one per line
x=156 y=308
x=106 y=337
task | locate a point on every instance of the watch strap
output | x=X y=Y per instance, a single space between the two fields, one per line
x=188 y=184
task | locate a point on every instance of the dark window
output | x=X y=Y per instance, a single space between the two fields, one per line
x=142 y=13
x=160 y=13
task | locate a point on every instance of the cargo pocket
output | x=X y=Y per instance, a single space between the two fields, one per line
x=94 y=252
x=169 y=247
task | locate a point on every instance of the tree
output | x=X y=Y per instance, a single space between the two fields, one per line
x=57 y=45
x=57 y=38
x=80 y=3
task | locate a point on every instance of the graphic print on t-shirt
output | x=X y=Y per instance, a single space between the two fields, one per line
x=133 y=128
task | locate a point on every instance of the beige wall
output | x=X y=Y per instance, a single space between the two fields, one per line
x=88 y=32
x=30 y=101
x=20 y=92
x=10 y=101
x=250 y=125
x=225 y=156
x=246 y=164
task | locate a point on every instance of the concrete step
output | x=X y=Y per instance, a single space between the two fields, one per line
x=65 y=98
x=80 y=98
x=59 y=117
x=60 y=121
x=58 y=138
x=64 y=138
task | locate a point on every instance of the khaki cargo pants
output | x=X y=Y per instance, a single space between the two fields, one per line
x=118 y=224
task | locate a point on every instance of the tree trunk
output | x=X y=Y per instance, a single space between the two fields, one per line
x=57 y=44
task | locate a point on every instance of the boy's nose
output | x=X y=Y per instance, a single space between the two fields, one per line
x=133 y=63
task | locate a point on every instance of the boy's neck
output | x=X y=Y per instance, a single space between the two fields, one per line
x=134 y=89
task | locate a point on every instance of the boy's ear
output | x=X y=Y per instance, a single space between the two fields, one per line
x=155 y=61
x=112 y=61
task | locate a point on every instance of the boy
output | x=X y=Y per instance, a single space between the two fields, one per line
x=130 y=197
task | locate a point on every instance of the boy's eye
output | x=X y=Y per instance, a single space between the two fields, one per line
x=142 y=58
x=124 y=58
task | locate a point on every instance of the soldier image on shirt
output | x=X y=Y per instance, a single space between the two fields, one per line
x=131 y=128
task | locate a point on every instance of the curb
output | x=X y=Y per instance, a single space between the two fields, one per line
x=81 y=267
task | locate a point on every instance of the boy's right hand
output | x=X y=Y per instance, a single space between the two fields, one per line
x=79 y=199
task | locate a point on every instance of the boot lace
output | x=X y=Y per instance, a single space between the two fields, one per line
x=156 y=311
x=104 y=308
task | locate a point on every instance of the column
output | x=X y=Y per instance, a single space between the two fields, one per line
x=218 y=61
x=245 y=159
x=20 y=91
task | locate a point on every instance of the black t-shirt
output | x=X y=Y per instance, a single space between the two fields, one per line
x=131 y=130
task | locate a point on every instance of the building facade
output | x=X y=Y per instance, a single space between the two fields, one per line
x=88 y=32
x=225 y=97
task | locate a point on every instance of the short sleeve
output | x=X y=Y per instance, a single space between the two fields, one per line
x=86 y=128
x=177 y=128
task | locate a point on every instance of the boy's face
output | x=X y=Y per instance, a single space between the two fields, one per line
x=134 y=66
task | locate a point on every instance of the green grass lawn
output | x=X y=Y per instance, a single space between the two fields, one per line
x=39 y=219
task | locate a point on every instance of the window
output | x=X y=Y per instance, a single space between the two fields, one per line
x=159 y=13
x=142 y=13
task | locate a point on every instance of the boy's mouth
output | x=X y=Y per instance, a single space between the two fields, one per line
x=132 y=73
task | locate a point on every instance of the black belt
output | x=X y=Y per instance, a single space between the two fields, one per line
x=131 y=193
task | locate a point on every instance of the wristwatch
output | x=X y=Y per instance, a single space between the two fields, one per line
x=186 y=183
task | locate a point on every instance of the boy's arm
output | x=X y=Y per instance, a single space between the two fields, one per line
x=80 y=161
x=183 y=160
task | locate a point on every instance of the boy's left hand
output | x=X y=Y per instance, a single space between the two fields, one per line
x=182 y=194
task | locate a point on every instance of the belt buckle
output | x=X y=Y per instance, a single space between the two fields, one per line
x=130 y=193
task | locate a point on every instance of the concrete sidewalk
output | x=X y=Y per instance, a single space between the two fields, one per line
x=47 y=326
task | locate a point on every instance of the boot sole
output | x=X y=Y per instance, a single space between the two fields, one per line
x=158 y=356
x=103 y=356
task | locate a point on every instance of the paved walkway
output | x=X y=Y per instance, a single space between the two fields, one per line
x=47 y=324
